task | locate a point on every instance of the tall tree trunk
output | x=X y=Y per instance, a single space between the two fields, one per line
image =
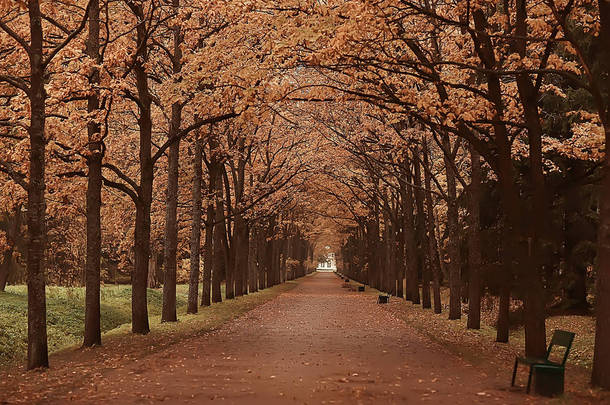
x=283 y=266
x=379 y=257
x=400 y=260
x=246 y=265
x=474 y=243
x=168 y=311
x=387 y=249
x=261 y=248
x=455 y=306
x=435 y=262
x=139 y=276
x=534 y=302
x=267 y=259
x=601 y=357
x=302 y=257
x=410 y=241
x=508 y=190
x=195 y=242
x=506 y=254
x=139 y=308
x=276 y=261
x=229 y=251
x=36 y=215
x=422 y=240
x=208 y=254
x=370 y=253
x=252 y=261
x=575 y=293
x=93 y=331
x=218 y=246
x=240 y=240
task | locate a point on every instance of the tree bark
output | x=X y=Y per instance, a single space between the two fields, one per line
x=422 y=240
x=229 y=251
x=474 y=243
x=284 y=254
x=139 y=308
x=168 y=311
x=195 y=242
x=506 y=255
x=36 y=215
x=435 y=262
x=261 y=247
x=5 y=268
x=210 y=228
x=534 y=302
x=240 y=239
x=509 y=193
x=399 y=263
x=93 y=332
x=408 y=208
x=386 y=280
x=208 y=254
x=601 y=357
x=218 y=245
x=455 y=305
x=13 y=233
x=252 y=261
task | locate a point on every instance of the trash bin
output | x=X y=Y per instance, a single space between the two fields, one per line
x=548 y=380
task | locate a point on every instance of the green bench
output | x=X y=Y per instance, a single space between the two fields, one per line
x=549 y=374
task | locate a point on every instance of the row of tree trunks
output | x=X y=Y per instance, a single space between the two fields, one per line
x=409 y=225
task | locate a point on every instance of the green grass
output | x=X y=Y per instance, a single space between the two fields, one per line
x=66 y=315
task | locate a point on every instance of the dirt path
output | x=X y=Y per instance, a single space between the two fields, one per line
x=317 y=343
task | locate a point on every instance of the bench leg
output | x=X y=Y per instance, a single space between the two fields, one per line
x=512 y=383
x=529 y=380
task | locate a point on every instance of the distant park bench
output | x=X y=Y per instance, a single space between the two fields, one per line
x=549 y=375
x=383 y=299
x=350 y=286
x=355 y=287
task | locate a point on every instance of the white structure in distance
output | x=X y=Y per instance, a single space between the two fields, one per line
x=329 y=265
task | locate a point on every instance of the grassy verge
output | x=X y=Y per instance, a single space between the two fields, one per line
x=65 y=316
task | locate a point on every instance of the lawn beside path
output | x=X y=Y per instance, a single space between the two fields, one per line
x=66 y=316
